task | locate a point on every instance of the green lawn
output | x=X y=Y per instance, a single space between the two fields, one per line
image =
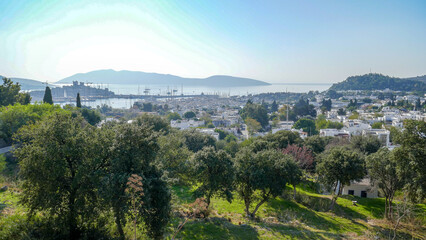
x=280 y=218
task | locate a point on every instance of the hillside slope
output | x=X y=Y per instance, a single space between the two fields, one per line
x=374 y=81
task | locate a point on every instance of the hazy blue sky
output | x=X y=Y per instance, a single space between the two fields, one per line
x=275 y=41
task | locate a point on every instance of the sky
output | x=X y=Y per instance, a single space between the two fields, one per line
x=274 y=41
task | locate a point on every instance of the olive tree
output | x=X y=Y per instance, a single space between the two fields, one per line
x=260 y=176
x=213 y=171
x=382 y=169
x=57 y=159
x=132 y=150
x=338 y=168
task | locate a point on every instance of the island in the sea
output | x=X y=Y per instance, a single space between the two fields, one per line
x=110 y=76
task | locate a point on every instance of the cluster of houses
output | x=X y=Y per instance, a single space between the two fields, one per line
x=223 y=113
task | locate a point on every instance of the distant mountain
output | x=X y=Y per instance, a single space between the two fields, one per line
x=143 y=78
x=29 y=84
x=374 y=81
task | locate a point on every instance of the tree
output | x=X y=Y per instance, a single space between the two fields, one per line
x=91 y=116
x=377 y=125
x=265 y=172
x=338 y=168
x=302 y=155
x=411 y=158
x=341 y=112
x=48 y=96
x=283 y=114
x=157 y=123
x=10 y=93
x=326 y=104
x=132 y=150
x=307 y=125
x=173 y=116
x=274 y=106
x=366 y=144
x=78 y=100
x=12 y=118
x=172 y=157
x=303 y=108
x=253 y=126
x=282 y=139
x=189 y=115
x=57 y=159
x=195 y=141
x=214 y=172
x=256 y=112
x=316 y=143
x=382 y=169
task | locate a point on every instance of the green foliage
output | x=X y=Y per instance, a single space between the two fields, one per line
x=316 y=143
x=260 y=176
x=2 y=163
x=173 y=116
x=256 y=112
x=281 y=139
x=47 y=98
x=14 y=117
x=340 y=165
x=222 y=134
x=56 y=159
x=9 y=94
x=303 y=108
x=214 y=172
x=382 y=169
x=274 y=106
x=322 y=123
x=91 y=116
x=189 y=115
x=341 y=112
x=78 y=101
x=377 y=125
x=253 y=126
x=157 y=123
x=366 y=144
x=411 y=158
x=195 y=141
x=172 y=156
x=375 y=81
x=333 y=94
x=326 y=104
x=307 y=125
x=283 y=114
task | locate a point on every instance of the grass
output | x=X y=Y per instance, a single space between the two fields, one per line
x=283 y=218
x=280 y=218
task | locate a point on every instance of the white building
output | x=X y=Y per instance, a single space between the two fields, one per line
x=332 y=132
x=362 y=188
x=185 y=124
x=355 y=127
x=209 y=131
x=382 y=134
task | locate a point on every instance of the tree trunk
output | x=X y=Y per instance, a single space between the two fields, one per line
x=333 y=196
x=294 y=191
x=386 y=208
x=73 y=234
x=208 y=200
x=253 y=214
x=118 y=222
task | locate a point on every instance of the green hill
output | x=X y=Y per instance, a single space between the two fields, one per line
x=374 y=81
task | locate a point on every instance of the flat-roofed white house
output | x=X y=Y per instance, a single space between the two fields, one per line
x=382 y=134
x=362 y=188
x=332 y=132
